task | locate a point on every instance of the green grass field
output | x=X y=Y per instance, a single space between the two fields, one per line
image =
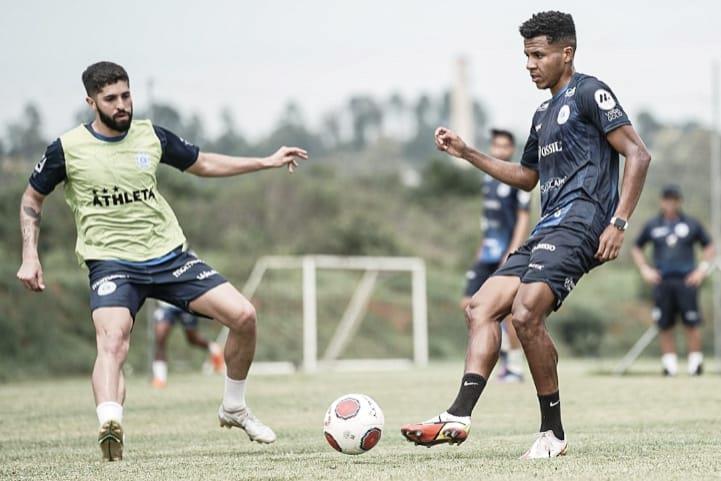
x=637 y=427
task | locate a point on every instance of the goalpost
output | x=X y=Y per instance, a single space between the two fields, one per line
x=354 y=313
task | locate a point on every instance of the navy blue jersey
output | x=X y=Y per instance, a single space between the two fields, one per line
x=501 y=203
x=578 y=168
x=673 y=242
x=50 y=171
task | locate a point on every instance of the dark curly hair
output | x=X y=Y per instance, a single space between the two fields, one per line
x=100 y=74
x=503 y=133
x=556 y=26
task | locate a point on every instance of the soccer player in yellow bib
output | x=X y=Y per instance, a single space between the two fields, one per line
x=133 y=246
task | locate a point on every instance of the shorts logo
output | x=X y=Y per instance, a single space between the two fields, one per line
x=186 y=267
x=568 y=284
x=614 y=114
x=143 y=161
x=544 y=246
x=681 y=229
x=563 y=115
x=604 y=99
x=538 y=267
x=206 y=274
x=107 y=287
x=40 y=165
x=691 y=316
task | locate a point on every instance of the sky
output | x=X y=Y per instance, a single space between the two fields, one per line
x=253 y=57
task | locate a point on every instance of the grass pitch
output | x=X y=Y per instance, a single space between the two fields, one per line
x=638 y=427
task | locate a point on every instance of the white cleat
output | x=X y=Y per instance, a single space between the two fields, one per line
x=546 y=446
x=245 y=420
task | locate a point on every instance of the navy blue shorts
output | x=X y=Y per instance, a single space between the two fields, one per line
x=673 y=298
x=177 y=281
x=172 y=315
x=558 y=256
x=477 y=275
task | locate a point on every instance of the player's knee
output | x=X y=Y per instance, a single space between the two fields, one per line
x=478 y=312
x=114 y=344
x=244 y=318
x=524 y=320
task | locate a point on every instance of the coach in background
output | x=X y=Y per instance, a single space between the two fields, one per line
x=675 y=276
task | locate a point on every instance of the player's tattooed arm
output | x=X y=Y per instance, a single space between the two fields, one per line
x=626 y=141
x=219 y=165
x=509 y=173
x=30 y=272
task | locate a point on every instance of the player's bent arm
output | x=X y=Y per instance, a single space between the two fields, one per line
x=30 y=272
x=513 y=174
x=219 y=165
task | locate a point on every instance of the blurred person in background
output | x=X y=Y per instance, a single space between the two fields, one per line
x=504 y=224
x=675 y=277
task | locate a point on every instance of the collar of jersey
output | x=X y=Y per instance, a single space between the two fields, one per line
x=563 y=90
x=105 y=138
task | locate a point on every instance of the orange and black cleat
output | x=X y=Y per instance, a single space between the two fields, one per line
x=443 y=429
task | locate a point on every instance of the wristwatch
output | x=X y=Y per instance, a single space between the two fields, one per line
x=618 y=223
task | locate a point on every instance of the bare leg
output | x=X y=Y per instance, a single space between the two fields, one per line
x=667 y=340
x=112 y=331
x=693 y=338
x=512 y=336
x=195 y=339
x=162 y=331
x=228 y=306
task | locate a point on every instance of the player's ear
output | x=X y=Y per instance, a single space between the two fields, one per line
x=90 y=101
x=568 y=53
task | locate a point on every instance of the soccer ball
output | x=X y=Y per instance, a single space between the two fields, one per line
x=353 y=424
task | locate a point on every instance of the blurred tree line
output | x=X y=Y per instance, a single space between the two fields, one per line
x=375 y=186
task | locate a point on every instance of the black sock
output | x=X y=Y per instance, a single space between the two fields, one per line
x=471 y=388
x=551 y=414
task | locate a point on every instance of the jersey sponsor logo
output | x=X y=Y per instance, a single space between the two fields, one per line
x=571 y=92
x=614 y=114
x=568 y=284
x=107 y=287
x=503 y=190
x=143 y=160
x=543 y=106
x=185 y=268
x=657 y=232
x=563 y=115
x=40 y=165
x=107 y=197
x=205 y=274
x=538 y=267
x=548 y=149
x=553 y=184
x=544 y=246
x=106 y=279
x=681 y=229
x=604 y=99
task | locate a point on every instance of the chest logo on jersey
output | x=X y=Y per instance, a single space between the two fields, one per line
x=604 y=99
x=563 y=115
x=548 y=149
x=143 y=161
x=503 y=190
x=571 y=92
x=681 y=229
x=114 y=197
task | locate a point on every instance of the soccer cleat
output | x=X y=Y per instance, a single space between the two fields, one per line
x=445 y=428
x=698 y=371
x=217 y=361
x=546 y=446
x=245 y=420
x=111 y=440
x=508 y=376
x=159 y=383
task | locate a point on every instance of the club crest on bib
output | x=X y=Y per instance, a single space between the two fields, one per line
x=143 y=161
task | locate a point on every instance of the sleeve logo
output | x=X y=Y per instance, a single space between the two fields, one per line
x=40 y=165
x=604 y=99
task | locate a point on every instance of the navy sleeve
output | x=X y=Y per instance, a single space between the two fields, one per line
x=702 y=236
x=530 y=151
x=645 y=236
x=50 y=171
x=177 y=151
x=599 y=106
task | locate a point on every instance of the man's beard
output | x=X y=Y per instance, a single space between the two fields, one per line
x=119 y=126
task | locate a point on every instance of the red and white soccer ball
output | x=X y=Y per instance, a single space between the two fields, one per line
x=353 y=424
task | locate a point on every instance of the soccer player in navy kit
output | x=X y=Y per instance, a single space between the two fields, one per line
x=675 y=276
x=573 y=150
x=504 y=223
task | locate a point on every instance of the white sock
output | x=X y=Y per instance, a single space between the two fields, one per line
x=515 y=360
x=108 y=411
x=694 y=361
x=670 y=363
x=160 y=370
x=214 y=348
x=234 y=395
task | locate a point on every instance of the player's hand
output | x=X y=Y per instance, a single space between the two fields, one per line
x=609 y=244
x=449 y=142
x=31 y=275
x=650 y=275
x=696 y=277
x=287 y=156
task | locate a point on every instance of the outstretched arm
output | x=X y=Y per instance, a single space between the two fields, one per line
x=30 y=272
x=509 y=173
x=626 y=142
x=219 y=165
